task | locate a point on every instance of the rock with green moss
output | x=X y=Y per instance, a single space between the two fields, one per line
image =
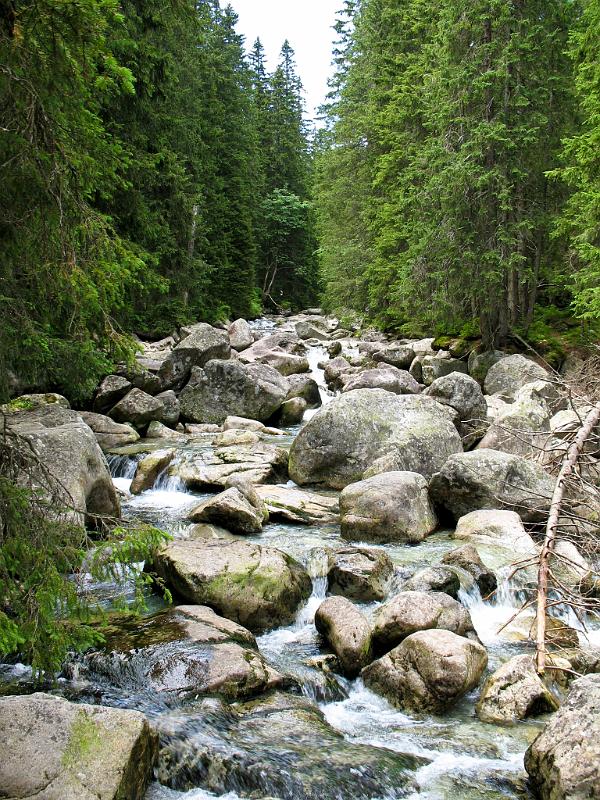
x=56 y=750
x=27 y=402
x=372 y=429
x=184 y=651
x=430 y=671
x=259 y=587
x=511 y=373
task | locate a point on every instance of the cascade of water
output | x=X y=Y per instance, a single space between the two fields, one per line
x=122 y=466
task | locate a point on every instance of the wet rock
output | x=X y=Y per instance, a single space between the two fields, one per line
x=400 y=356
x=230 y=510
x=468 y=559
x=409 y=612
x=434 y=579
x=282 y=351
x=389 y=378
x=347 y=632
x=360 y=574
x=429 y=671
x=434 y=367
x=109 y=434
x=515 y=691
x=511 y=373
x=258 y=463
x=204 y=344
x=295 y=505
x=229 y=388
x=489 y=479
x=259 y=587
x=184 y=651
x=502 y=529
x=368 y=428
x=240 y=335
x=170 y=414
x=334 y=349
x=390 y=507
x=564 y=761
x=570 y=567
x=305 y=387
x=56 y=750
x=110 y=391
x=239 y=748
x=138 y=409
x=291 y=412
x=149 y=468
x=243 y=424
x=71 y=463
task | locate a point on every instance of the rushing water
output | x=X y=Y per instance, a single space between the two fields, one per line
x=454 y=757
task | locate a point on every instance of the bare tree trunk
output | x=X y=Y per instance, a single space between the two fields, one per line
x=568 y=466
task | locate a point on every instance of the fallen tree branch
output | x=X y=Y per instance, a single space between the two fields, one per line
x=568 y=467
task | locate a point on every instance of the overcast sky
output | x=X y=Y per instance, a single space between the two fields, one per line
x=308 y=26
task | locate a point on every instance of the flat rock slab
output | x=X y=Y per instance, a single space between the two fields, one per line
x=56 y=750
x=295 y=505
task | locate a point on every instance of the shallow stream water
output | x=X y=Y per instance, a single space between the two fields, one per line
x=458 y=757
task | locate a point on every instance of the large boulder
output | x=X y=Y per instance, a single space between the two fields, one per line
x=109 y=434
x=334 y=371
x=510 y=374
x=259 y=587
x=204 y=344
x=515 y=691
x=230 y=388
x=56 y=750
x=564 y=761
x=72 y=470
x=397 y=355
x=480 y=363
x=170 y=412
x=429 y=671
x=409 y=612
x=295 y=505
x=360 y=574
x=138 y=409
x=372 y=428
x=240 y=335
x=464 y=395
x=389 y=378
x=307 y=329
x=501 y=529
x=347 y=632
x=390 y=507
x=182 y=652
x=489 y=479
x=110 y=391
x=233 y=511
x=211 y=469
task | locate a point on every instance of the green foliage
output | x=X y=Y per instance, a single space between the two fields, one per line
x=433 y=202
x=580 y=220
x=46 y=562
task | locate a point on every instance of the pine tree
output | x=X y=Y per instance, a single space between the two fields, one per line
x=581 y=170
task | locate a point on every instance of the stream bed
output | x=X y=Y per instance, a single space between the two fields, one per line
x=326 y=737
